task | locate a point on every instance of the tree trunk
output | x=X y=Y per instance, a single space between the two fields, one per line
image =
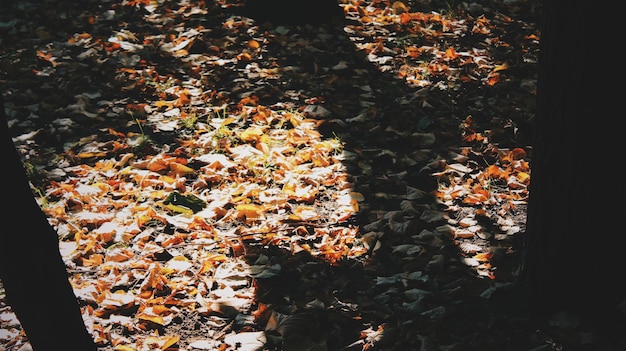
x=32 y=271
x=575 y=232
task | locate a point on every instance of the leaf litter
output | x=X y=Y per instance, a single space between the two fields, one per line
x=223 y=184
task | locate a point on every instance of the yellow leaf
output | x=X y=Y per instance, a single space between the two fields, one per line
x=171 y=341
x=523 y=177
x=180 y=169
x=117 y=300
x=251 y=134
x=501 y=67
x=168 y=179
x=289 y=188
x=179 y=209
x=227 y=121
x=151 y=318
x=249 y=212
x=161 y=342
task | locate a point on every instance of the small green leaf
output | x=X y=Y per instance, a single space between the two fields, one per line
x=189 y=201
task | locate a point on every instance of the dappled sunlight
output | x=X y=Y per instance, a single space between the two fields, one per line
x=158 y=216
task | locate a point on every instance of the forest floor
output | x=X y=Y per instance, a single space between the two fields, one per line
x=220 y=183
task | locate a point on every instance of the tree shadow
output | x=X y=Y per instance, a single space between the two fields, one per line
x=396 y=137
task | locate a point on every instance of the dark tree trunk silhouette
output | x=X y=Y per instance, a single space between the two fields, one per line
x=575 y=235
x=32 y=271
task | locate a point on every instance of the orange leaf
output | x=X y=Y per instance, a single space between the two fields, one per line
x=475 y=199
x=451 y=54
x=47 y=57
x=253 y=44
x=249 y=100
x=160 y=309
x=493 y=171
x=128 y=70
x=244 y=56
x=493 y=79
x=93 y=260
x=173 y=240
x=157 y=164
x=483 y=256
x=413 y=52
x=183 y=98
x=405 y=18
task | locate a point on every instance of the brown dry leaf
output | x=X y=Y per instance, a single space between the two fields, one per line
x=516 y=154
